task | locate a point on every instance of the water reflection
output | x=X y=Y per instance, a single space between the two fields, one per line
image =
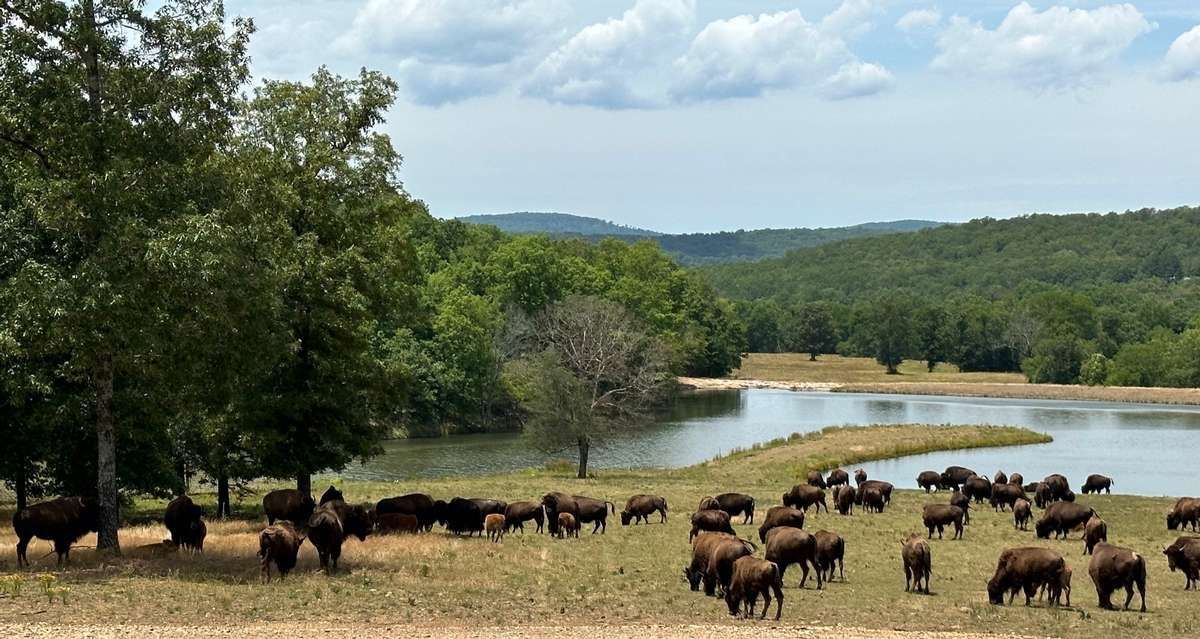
x=1147 y=449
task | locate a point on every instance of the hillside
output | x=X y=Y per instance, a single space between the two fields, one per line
x=695 y=249
x=985 y=256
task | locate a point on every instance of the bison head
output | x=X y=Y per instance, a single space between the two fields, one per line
x=693 y=577
x=331 y=494
x=358 y=523
x=995 y=591
x=440 y=508
x=90 y=513
x=733 y=602
x=626 y=516
x=1172 y=554
x=1044 y=527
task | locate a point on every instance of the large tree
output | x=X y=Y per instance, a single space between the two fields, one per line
x=890 y=330
x=811 y=330
x=112 y=113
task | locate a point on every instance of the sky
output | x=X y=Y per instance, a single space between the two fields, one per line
x=707 y=115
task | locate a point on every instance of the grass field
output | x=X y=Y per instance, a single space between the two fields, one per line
x=629 y=575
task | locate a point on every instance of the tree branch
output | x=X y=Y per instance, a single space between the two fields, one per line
x=43 y=159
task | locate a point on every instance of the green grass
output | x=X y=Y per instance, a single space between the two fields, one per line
x=630 y=575
x=795 y=367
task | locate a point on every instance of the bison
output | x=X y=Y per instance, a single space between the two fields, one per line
x=397 y=523
x=287 y=504
x=871 y=499
x=1000 y=478
x=780 y=516
x=1114 y=567
x=519 y=512
x=787 y=546
x=719 y=572
x=1022 y=513
x=331 y=494
x=1061 y=518
x=567 y=526
x=709 y=503
x=860 y=476
x=1094 y=532
x=918 y=563
x=884 y=488
x=815 y=479
x=955 y=476
x=1016 y=479
x=1097 y=483
x=326 y=534
x=837 y=477
x=802 y=496
x=702 y=547
x=929 y=479
x=279 y=543
x=1184 y=556
x=1026 y=569
x=493 y=524
x=62 y=521
x=639 y=508
x=737 y=504
x=180 y=518
x=964 y=502
x=938 y=516
x=1185 y=512
x=844 y=497
x=753 y=577
x=710 y=521
x=419 y=505
x=831 y=552
x=1005 y=495
x=585 y=510
x=1060 y=490
x=977 y=488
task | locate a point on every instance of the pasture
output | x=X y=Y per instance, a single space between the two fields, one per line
x=631 y=575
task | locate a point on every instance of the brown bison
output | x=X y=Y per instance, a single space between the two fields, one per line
x=787 y=546
x=815 y=479
x=938 y=516
x=1097 y=483
x=1061 y=518
x=326 y=534
x=871 y=499
x=702 y=547
x=1114 y=567
x=843 y=497
x=964 y=502
x=753 y=577
x=1016 y=479
x=1059 y=489
x=287 y=504
x=977 y=488
x=709 y=503
x=1094 y=532
x=918 y=563
x=737 y=504
x=710 y=521
x=585 y=510
x=837 y=477
x=567 y=526
x=885 y=489
x=182 y=519
x=62 y=521
x=1185 y=512
x=1022 y=513
x=802 y=496
x=519 y=512
x=955 y=476
x=929 y=479
x=860 y=476
x=279 y=543
x=1027 y=569
x=1000 y=478
x=831 y=553
x=780 y=516
x=420 y=505
x=193 y=536
x=1005 y=495
x=397 y=523
x=1184 y=556
x=331 y=494
x=493 y=524
x=639 y=508
x=720 y=564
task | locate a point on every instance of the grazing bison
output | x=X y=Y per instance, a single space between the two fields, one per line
x=918 y=563
x=702 y=548
x=1059 y=488
x=977 y=488
x=753 y=577
x=929 y=479
x=326 y=534
x=1094 y=532
x=837 y=477
x=639 y=508
x=720 y=565
x=737 y=504
x=1042 y=495
x=1000 y=478
x=279 y=543
x=831 y=553
x=397 y=523
x=463 y=516
x=1005 y=495
x=938 y=516
x=419 y=505
x=585 y=510
x=1027 y=569
x=802 y=496
x=787 y=546
x=815 y=479
x=709 y=503
x=180 y=518
x=964 y=502
x=780 y=516
x=62 y=521
x=860 y=476
x=1185 y=512
x=710 y=521
x=843 y=497
x=331 y=494
x=193 y=535
x=955 y=476
x=567 y=526
x=1184 y=556
x=493 y=524
x=520 y=512
x=1016 y=479
x=1097 y=483
x=1061 y=518
x=287 y=504
x=872 y=500
x=884 y=488
x=1114 y=567
x=1022 y=513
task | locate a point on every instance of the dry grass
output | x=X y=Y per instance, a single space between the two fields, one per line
x=628 y=576
x=1133 y=394
x=795 y=367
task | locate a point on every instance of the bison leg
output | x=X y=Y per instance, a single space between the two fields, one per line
x=907 y=578
x=62 y=547
x=22 y=547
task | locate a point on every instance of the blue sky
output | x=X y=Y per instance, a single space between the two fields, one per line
x=702 y=115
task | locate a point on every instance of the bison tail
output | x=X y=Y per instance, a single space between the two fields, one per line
x=612 y=507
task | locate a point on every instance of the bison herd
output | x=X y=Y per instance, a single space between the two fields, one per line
x=724 y=564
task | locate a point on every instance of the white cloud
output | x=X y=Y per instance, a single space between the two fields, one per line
x=1059 y=48
x=746 y=55
x=851 y=18
x=1183 y=58
x=857 y=79
x=919 y=21
x=601 y=64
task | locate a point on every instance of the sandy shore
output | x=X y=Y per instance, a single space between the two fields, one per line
x=710 y=383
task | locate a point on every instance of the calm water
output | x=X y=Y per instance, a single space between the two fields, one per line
x=1147 y=450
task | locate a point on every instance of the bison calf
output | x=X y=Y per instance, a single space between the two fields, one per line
x=1114 y=567
x=1022 y=513
x=753 y=577
x=493 y=524
x=918 y=563
x=844 y=497
x=568 y=526
x=279 y=543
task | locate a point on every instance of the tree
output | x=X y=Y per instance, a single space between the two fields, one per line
x=1094 y=370
x=764 y=332
x=112 y=134
x=889 y=330
x=594 y=370
x=1056 y=359
x=933 y=338
x=812 y=330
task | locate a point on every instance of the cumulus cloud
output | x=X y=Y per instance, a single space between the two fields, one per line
x=1059 y=48
x=600 y=64
x=919 y=21
x=745 y=56
x=851 y=18
x=1183 y=58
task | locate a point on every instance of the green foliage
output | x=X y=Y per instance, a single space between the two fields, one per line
x=889 y=331
x=1095 y=369
x=1165 y=359
x=931 y=325
x=555 y=224
x=1056 y=359
x=810 y=330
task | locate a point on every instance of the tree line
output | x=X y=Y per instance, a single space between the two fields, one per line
x=204 y=277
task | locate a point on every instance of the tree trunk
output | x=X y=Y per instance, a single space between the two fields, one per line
x=891 y=369
x=584 y=447
x=223 y=509
x=106 y=458
x=22 y=487
x=812 y=356
x=931 y=365
x=304 y=483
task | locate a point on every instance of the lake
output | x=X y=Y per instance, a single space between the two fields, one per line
x=1147 y=449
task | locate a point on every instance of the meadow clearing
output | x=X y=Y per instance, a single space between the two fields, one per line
x=630 y=576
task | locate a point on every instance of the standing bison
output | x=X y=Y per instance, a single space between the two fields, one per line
x=938 y=516
x=710 y=521
x=519 y=512
x=780 y=516
x=1022 y=513
x=1094 y=532
x=918 y=563
x=585 y=510
x=702 y=547
x=1097 y=483
x=287 y=504
x=929 y=479
x=753 y=577
x=977 y=488
x=831 y=553
x=885 y=489
x=722 y=557
x=964 y=502
x=1114 y=567
x=418 y=505
x=183 y=521
x=1027 y=569
x=278 y=543
x=1185 y=512
x=1061 y=518
x=326 y=534
x=802 y=496
x=1184 y=556
x=956 y=476
x=815 y=479
x=787 y=546
x=1005 y=495
x=62 y=521
x=843 y=498
x=872 y=499
x=737 y=504
x=639 y=508
x=837 y=477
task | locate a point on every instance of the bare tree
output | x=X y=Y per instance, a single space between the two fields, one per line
x=593 y=369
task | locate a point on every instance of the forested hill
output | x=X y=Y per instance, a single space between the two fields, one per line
x=985 y=256
x=694 y=249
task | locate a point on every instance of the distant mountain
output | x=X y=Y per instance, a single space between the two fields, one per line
x=555 y=224
x=696 y=248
